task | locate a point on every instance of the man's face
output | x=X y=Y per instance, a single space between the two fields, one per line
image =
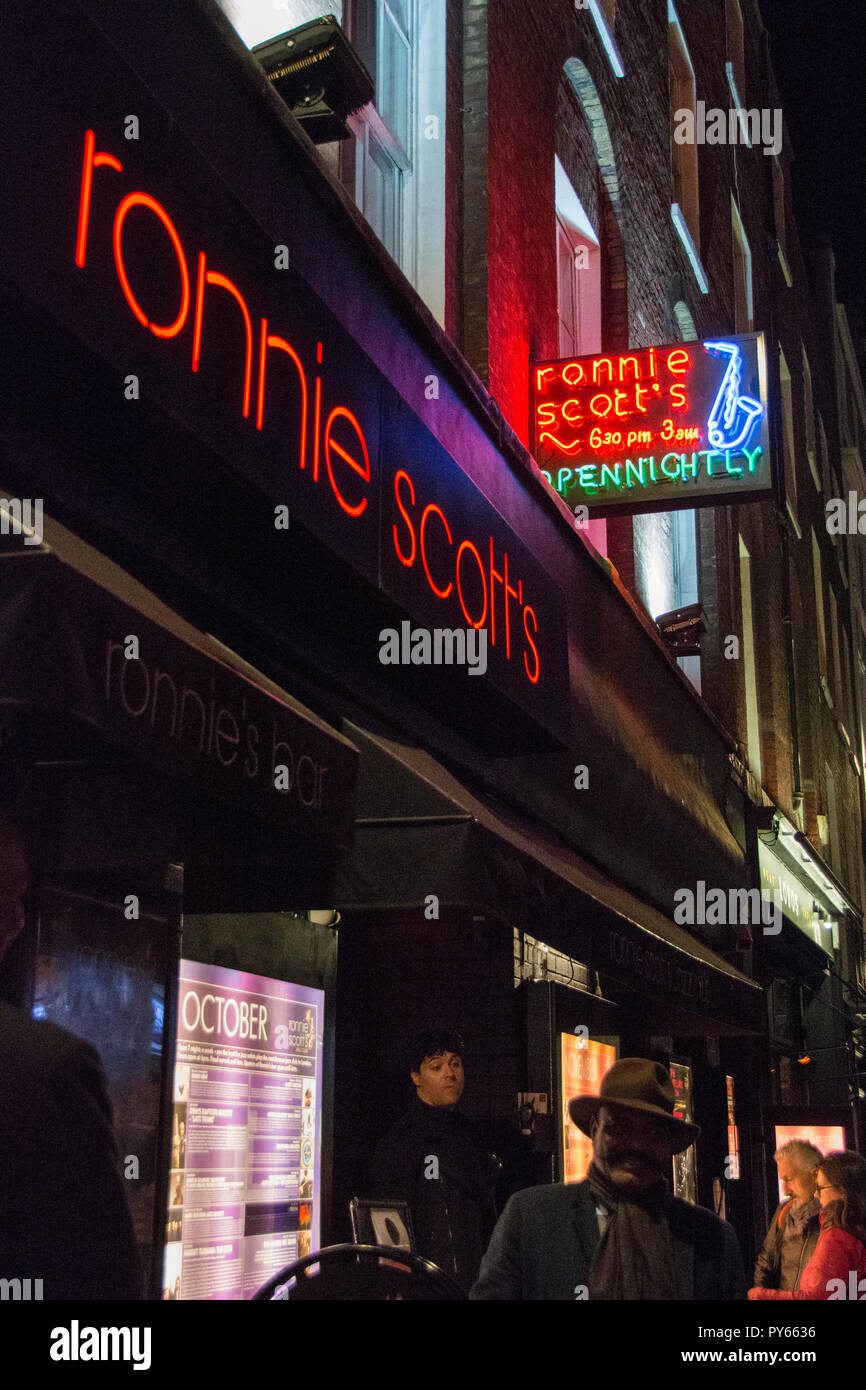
x=632 y=1150
x=797 y=1182
x=440 y=1080
x=13 y=885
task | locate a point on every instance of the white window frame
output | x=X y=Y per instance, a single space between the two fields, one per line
x=742 y=268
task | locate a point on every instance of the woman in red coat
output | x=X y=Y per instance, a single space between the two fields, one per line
x=837 y=1269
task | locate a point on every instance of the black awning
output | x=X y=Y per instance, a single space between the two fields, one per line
x=422 y=832
x=85 y=649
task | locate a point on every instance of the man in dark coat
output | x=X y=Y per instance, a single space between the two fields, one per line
x=434 y=1159
x=64 y=1218
x=617 y=1235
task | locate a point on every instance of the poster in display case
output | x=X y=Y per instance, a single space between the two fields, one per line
x=583 y=1064
x=732 y=1167
x=246 y=1141
x=684 y=1164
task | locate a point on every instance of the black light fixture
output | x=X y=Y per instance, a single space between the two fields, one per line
x=681 y=629
x=319 y=76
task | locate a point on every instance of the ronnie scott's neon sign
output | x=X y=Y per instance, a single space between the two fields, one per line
x=441 y=550
x=671 y=426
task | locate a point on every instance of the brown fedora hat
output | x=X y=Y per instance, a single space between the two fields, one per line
x=636 y=1084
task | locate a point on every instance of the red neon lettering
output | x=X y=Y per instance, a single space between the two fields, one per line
x=401 y=473
x=546 y=412
x=596 y=369
x=362 y=469
x=558 y=444
x=318 y=412
x=541 y=376
x=570 y=415
x=92 y=160
x=467 y=545
x=432 y=508
x=144 y=200
x=507 y=591
x=572 y=374
x=679 y=362
x=526 y=614
x=596 y=409
x=270 y=340
x=679 y=400
x=213 y=277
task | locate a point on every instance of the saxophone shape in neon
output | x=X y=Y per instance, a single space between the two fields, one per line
x=733 y=417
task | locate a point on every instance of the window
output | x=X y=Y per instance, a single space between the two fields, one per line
x=809 y=411
x=396 y=171
x=743 y=311
x=578 y=262
x=779 y=220
x=681 y=86
x=259 y=20
x=394 y=167
x=736 y=66
x=753 y=727
x=818 y=580
x=787 y=402
x=604 y=14
x=833 y=823
x=684 y=535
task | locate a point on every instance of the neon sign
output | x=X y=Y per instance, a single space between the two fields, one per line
x=663 y=427
x=283 y=384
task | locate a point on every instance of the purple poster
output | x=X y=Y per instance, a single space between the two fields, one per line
x=246 y=1142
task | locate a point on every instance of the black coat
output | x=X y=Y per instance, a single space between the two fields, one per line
x=545 y=1238
x=452 y=1208
x=64 y=1218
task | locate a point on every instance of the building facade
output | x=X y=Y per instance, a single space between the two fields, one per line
x=276 y=402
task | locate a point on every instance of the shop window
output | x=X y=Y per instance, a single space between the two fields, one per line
x=684 y=156
x=753 y=727
x=743 y=310
x=788 y=445
x=578 y=273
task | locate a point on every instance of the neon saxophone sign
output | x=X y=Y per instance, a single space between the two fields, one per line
x=729 y=407
x=668 y=425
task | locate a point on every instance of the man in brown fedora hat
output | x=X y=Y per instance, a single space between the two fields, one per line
x=617 y=1234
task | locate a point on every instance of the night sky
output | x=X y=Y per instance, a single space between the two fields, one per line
x=819 y=56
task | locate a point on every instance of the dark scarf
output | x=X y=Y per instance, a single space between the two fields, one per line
x=634 y=1258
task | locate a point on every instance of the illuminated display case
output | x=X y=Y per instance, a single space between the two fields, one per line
x=583 y=1063
x=684 y=1164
